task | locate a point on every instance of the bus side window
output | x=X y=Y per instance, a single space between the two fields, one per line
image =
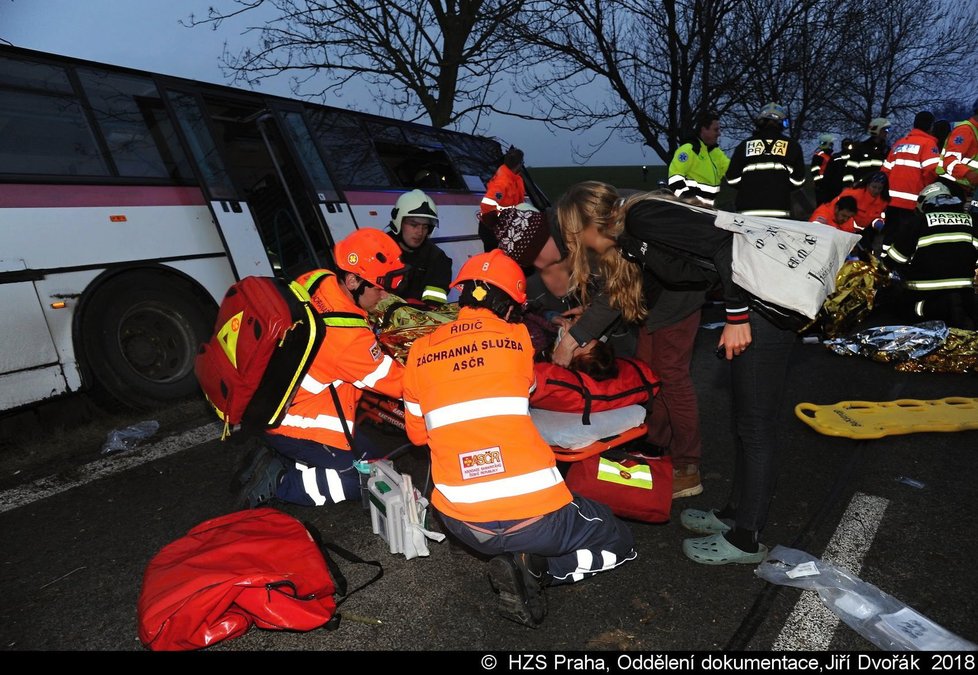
x=45 y=130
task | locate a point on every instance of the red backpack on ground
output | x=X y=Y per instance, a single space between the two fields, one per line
x=264 y=340
x=259 y=567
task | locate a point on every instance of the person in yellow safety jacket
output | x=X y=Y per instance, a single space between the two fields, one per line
x=959 y=158
x=698 y=166
x=309 y=458
x=496 y=484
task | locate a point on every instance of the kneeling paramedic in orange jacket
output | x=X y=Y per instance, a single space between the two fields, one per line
x=497 y=487
x=311 y=454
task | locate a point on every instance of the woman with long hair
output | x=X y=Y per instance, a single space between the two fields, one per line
x=679 y=246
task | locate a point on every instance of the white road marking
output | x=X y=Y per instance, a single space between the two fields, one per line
x=811 y=625
x=111 y=464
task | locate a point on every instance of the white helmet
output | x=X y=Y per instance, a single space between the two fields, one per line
x=414 y=203
x=935 y=196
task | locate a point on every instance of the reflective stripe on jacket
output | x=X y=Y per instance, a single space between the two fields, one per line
x=865 y=158
x=911 y=166
x=466 y=395
x=765 y=170
x=697 y=174
x=505 y=188
x=960 y=154
x=350 y=359
x=938 y=253
x=820 y=160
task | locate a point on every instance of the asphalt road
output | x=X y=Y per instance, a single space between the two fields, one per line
x=77 y=529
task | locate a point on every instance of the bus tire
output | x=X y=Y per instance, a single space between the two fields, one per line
x=141 y=333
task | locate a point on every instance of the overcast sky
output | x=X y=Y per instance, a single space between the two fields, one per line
x=145 y=34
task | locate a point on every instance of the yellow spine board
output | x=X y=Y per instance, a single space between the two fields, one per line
x=876 y=419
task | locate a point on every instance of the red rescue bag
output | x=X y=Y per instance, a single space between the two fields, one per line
x=634 y=487
x=257 y=567
x=565 y=390
x=264 y=341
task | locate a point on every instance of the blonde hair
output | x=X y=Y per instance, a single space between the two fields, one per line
x=595 y=203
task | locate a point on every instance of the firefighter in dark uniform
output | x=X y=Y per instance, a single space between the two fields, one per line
x=936 y=259
x=868 y=155
x=413 y=218
x=831 y=184
x=767 y=168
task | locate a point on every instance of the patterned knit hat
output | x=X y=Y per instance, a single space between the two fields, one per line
x=521 y=231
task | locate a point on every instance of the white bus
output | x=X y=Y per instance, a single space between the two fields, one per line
x=130 y=201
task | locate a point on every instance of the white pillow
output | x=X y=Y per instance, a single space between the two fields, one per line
x=567 y=430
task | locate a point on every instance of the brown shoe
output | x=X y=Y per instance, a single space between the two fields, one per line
x=686 y=481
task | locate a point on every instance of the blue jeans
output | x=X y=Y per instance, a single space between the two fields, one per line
x=758 y=379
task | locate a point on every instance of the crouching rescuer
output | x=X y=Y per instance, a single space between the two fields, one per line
x=497 y=487
x=308 y=459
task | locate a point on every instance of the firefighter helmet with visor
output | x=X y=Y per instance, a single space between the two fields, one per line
x=372 y=256
x=936 y=196
x=413 y=204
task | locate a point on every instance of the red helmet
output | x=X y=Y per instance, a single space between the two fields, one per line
x=372 y=256
x=498 y=269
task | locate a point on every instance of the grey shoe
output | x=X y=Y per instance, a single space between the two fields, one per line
x=702 y=522
x=260 y=475
x=518 y=580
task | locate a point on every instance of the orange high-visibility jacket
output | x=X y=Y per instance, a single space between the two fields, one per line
x=349 y=358
x=505 y=188
x=825 y=214
x=466 y=395
x=911 y=166
x=870 y=208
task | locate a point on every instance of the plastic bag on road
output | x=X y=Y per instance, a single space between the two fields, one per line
x=129 y=437
x=877 y=616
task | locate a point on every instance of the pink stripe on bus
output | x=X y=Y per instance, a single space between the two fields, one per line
x=385 y=198
x=62 y=196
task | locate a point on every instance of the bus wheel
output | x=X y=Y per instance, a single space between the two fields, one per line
x=140 y=335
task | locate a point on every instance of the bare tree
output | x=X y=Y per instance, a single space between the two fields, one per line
x=638 y=69
x=910 y=54
x=438 y=59
x=644 y=68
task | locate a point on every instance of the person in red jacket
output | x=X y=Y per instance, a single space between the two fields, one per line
x=872 y=196
x=839 y=213
x=496 y=484
x=308 y=459
x=910 y=166
x=505 y=189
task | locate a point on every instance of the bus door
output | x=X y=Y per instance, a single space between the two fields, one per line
x=246 y=251
x=333 y=209
x=30 y=369
x=259 y=188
